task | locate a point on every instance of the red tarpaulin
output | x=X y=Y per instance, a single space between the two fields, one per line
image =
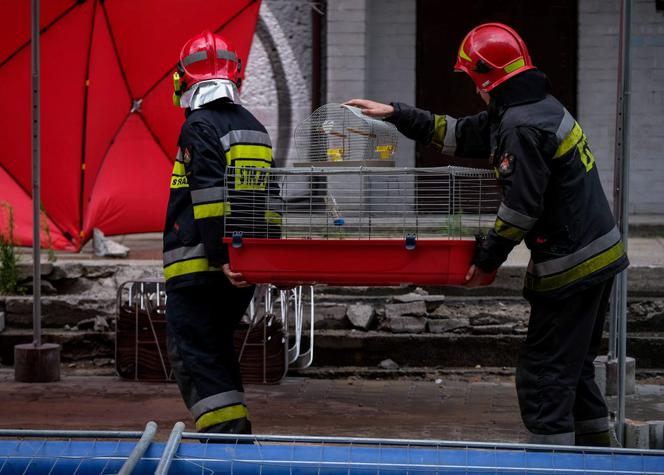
x=108 y=126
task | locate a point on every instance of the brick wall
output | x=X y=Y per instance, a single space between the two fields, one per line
x=599 y=22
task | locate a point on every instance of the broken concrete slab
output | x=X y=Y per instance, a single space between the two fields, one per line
x=412 y=309
x=404 y=325
x=361 y=315
x=445 y=325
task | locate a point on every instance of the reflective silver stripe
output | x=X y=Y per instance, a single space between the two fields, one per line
x=194 y=57
x=206 y=195
x=566 y=262
x=216 y=401
x=514 y=217
x=565 y=127
x=245 y=136
x=183 y=253
x=225 y=54
x=449 y=142
x=592 y=426
x=178 y=156
x=566 y=438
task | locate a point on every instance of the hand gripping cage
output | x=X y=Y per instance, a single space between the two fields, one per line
x=341 y=135
x=357 y=226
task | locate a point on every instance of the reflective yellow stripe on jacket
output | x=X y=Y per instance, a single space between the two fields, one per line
x=186 y=260
x=557 y=273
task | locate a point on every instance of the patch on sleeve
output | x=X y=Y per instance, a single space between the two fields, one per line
x=506 y=164
x=186 y=155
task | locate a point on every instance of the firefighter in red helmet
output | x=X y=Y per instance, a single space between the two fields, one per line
x=553 y=199
x=205 y=298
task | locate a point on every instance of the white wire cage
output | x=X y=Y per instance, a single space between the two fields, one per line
x=363 y=218
x=340 y=134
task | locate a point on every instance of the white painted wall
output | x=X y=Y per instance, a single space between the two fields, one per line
x=599 y=23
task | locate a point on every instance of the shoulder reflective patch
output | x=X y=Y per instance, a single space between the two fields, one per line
x=249 y=152
x=506 y=164
x=247 y=137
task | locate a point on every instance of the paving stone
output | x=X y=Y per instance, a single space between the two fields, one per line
x=417 y=309
x=444 y=325
x=361 y=315
x=404 y=325
x=329 y=317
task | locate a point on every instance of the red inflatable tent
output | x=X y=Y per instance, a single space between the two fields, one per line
x=108 y=127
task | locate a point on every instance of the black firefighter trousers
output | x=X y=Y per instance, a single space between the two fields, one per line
x=555 y=379
x=201 y=322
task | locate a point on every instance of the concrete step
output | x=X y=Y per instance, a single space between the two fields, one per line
x=58 y=310
x=76 y=345
x=643 y=281
x=343 y=348
x=350 y=348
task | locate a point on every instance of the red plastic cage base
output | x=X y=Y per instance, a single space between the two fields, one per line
x=352 y=261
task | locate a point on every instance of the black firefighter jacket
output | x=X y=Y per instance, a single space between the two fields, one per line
x=219 y=135
x=551 y=192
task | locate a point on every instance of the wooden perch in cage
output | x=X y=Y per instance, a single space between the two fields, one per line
x=361 y=132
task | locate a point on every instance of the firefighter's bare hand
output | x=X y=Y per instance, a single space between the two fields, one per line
x=372 y=108
x=235 y=278
x=476 y=277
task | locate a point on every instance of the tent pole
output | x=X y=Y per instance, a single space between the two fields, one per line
x=36 y=362
x=621 y=205
x=36 y=211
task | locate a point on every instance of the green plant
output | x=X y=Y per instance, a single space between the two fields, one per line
x=453 y=226
x=43 y=221
x=8 y=259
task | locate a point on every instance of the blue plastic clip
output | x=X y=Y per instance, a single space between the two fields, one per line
x=411 y=241
x=237 y=239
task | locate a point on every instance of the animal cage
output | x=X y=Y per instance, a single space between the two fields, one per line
x=336 y=134
x=357 y=226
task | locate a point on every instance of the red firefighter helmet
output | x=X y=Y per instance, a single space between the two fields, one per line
x=206 y=56
x=491 y=54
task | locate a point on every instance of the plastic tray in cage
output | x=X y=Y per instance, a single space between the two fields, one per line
x=352 y=261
